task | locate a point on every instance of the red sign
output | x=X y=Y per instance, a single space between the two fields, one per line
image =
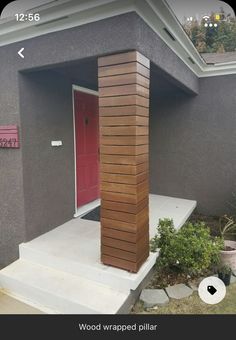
x=9 y=137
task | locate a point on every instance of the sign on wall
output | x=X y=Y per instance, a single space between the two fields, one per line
x=9 y=136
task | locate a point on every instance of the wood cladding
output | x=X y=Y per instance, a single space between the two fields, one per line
x=123 y=100
x=124 y=90
x=121 y=111
x=124 y=150
x=124 y=58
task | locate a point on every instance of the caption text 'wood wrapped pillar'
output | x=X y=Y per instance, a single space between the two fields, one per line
x=124 y=118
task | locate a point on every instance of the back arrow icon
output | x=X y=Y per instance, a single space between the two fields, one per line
x=20 y=52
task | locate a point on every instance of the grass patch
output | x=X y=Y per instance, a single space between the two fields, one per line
x=193 y=305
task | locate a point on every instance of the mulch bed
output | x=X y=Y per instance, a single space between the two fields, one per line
x=163 y=278
x=211 y=221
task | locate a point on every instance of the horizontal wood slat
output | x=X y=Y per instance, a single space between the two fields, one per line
x=119 y=188
x=131 y=110
x=124 y=140
x=137 y=228
x=124 y=79
x=122 y=254
x=132 y=189
x=124 y=245
x=124 y=162
x=132 y=267
x=120 y=206
x=124 y=150
x=124 y=169
x=124 y=58
x=124 y=100
x=124 y=120
x=124 y=216
x=125 y=68
x=124 y=131
x=123 y=235
x=123 y=90
x=124 y=159
x=125 y=179
x=124 y=197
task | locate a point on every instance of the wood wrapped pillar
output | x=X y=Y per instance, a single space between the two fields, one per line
x=124 y=150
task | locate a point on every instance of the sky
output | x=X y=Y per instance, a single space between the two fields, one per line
x=197 y=8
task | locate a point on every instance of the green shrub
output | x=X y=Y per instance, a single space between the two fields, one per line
x=164 y=235
x=190 y=250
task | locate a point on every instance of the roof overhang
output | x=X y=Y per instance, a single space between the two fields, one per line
x=64 y=14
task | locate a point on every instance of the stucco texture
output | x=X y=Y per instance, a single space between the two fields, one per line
x=48 y=172
x=188 y=133
x=192 y=144
x=12 y=222
x=37 y=181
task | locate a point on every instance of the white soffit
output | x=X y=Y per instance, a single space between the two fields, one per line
x=64 y=14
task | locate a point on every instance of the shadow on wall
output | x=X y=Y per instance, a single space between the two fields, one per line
x=46 y=115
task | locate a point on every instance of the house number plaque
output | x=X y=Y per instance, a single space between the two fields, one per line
x=9 y=136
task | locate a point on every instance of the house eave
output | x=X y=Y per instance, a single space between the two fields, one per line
x=63 y=15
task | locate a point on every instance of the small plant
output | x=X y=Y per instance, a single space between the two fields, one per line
x=224 y=273
x=190 y=250
x=228 y=223
x=224 y=269
x=227 y=226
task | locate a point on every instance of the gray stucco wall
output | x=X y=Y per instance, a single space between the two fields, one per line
x=43 y=201
x=12 y=224
x=193 y=144
x=151 y=45
x=119 y=33
x=48 y=172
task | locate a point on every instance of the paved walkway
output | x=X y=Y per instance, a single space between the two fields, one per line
x=9 y=305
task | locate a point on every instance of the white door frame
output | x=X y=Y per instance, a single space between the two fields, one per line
x=91 y=205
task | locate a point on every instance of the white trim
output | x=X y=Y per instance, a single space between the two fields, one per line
x=62 y=16
x=87 y=207
x=75 y=160
x=95 y=93
x=158 y=15
x=85 y=90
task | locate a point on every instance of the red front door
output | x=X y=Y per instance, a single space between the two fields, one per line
x=87 y=146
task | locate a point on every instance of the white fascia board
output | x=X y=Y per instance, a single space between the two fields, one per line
x=215 y=70
x=24 y=31
x=65 y=14
x=60 y=9
x=161 y=18
x=158 y=15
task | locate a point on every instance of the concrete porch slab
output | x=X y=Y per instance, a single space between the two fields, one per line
x=9 y=305
x=68 y=259
x=74 y=247
x=178 y=209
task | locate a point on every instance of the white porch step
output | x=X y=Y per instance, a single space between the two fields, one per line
x=114 y=278
x=61 y=272
x=59 y=292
